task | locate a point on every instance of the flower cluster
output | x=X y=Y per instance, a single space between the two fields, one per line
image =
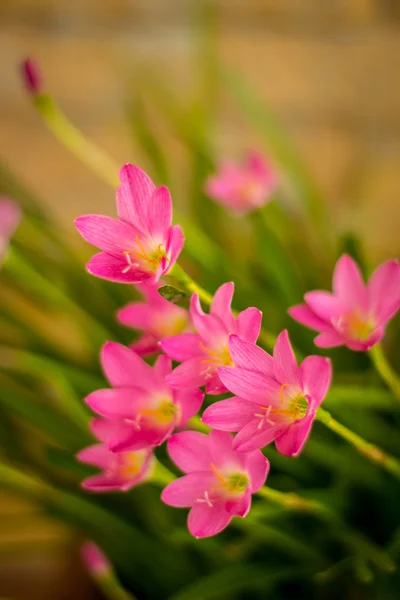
x=274 y=398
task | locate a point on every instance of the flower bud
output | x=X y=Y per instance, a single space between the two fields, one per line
x=32 y=76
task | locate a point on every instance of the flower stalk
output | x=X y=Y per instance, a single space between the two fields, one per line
x=370 y=451
x=385 y=370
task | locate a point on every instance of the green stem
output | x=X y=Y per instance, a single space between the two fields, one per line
x=111 y=587
x=370 y=451
x=190 y=286
x=90 y=154
x=385 y=370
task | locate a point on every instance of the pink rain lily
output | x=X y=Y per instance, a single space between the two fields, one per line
x=275 y=398
x=243 y=188
x=140 y=245
x=144 y=409
x=218 y=483
x=355 y=314
x=120 y=471
x=203 y=352
x=10 y=216
x=157 y=317
x=95 y=560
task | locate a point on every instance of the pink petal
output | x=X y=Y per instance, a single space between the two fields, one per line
x=258 y=468
x=221 y=304
x=384 y=290
x=124 y=368
x=348 y=284
x=175 y=243
x=119 y=403
x=111 y=268
x=248 y=324
x=97 y=455
x=139 y=315
x=205 y=521
x=324 y=305
x=285 y=365
x=133 y=196
x=222 y=452
x=249 y=385
x=214 y=386
x=291 y=441
x=303 y=314
x=103 y=483
x=182 y=347
x=189 y=450
x=316 y=374
x=239 y=507
x=249 y=356
x=229 y=415
x=190 y=374
x=162 y=367
x=251 y=437
x=110 y=235
x=159 y=212
x=184 y=491
x=146 y=344
x=190 y=402
x=329 y=339
x=147 y=436
x=111 y=432
x=210 y=328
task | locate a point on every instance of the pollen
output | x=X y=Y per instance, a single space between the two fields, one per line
x=152 y=260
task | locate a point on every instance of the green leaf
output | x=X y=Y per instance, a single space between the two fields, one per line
x=172 y=294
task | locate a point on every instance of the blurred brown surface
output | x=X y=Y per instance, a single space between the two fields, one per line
x=330 y=70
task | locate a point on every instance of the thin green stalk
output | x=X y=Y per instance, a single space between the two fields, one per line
x=370 y=451
x=111 y=587
x=90 y=154
x=385 y=370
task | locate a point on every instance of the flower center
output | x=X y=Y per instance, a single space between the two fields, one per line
x=355 y=325
x=163 y=414
x=218 y=358
x=232 y=484
x=292 y=408
x=131 y=464
x=142 y=258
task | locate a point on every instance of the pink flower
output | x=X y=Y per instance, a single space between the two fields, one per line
x=10 y=216
x=95 y=560
x=203 y=352
x=144 y=409
x=156 y=316
x=218 y=483
x=120 y=471
x=355 y=314
x=141 y=245
x=243 y=188
x=275 y=399
x=32 y=76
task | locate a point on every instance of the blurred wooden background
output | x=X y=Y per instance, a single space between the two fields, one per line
x=329 y=69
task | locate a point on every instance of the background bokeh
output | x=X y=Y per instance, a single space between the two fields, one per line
x=328 y=70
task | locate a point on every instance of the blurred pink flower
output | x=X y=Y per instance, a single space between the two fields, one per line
x=203 y=352
x=141 y=245
x=243 y=188
x=31 y=76
x=355 y=314
x=144 y=409
x=156 y=316
x=120 y=471
x=10 y=216
x=95 y=560
x=218 y=483
x=275 y=399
